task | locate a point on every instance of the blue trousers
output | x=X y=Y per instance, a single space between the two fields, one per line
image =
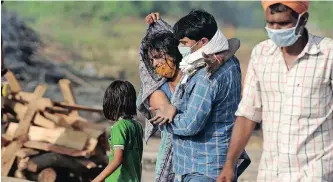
x=194 y=178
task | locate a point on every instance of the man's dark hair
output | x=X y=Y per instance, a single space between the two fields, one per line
x=119 y=101
x=196 y=25
x=163 y=42
x=279 y=8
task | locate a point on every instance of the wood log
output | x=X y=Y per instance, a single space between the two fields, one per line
x=47 y=175
x=52 y=159
x=57 y=109
x=22 y=163
x=32 y=108
x=8 y=156
x=58 y=119
x=93 y=130
x=91 y=145
x=26 y=152
x=77 y=107
x=67 y=92
x=57 y=149
x=70 y=120
x=20 y=110
x=19 y=174
x=14 y=85
x=42 y=121
x=4 y=140
x=59 y=136
x=26 y=97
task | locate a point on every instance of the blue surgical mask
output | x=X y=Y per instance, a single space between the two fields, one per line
x=283 y=37
x=185 y=51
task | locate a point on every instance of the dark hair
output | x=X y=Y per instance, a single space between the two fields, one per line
x=279 y=8
x=119 y=101
x=196 y=25
x=163 y=42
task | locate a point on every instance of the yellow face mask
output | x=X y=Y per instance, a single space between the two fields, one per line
x=167 y=70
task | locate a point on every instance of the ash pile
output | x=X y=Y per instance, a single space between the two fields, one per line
x=21 y=46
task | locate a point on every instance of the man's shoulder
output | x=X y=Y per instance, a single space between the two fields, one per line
x=230 y=66
x=325 y=43
x=263 y=47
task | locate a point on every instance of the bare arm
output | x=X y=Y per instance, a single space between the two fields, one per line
x=158 y=99
x=160 y=103
x=112 y=166
x=241 y=134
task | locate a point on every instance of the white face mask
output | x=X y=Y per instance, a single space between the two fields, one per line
x=284 y=37
x=185 y=50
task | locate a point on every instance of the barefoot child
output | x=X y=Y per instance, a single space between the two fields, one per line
x=126 y=135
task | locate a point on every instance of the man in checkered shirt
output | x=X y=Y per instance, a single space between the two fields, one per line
x=205 y=106
x=288 y=88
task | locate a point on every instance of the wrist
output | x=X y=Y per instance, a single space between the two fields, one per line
x=229 y=162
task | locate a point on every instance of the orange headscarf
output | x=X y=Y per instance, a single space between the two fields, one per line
x=298 y=6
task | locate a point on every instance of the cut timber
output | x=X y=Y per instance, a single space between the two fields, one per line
x=26 y=152
x=19 y=174
x=8 y=156
x=5 y=140
x=93 y=130
x=52 y=159
x=14 y=85
x=59 y=136
x=22 y=163
x=20 y=110
x=42 y=121
x=58 y=119
x=28 y=116
x=77 y=107
x=47 y=175
x=67 y=92
x=12 y=179
x=91 y=145
x=70 y=120
x=57 y=109
x=57 y=149
x=27 y=97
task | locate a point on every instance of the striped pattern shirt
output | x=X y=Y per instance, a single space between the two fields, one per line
x=296 y=110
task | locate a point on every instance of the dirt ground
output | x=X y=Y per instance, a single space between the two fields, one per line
x=253 y=148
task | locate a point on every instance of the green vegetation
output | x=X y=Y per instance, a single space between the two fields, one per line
x=108 y=33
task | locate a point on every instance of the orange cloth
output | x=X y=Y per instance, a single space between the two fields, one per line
x=298 y=6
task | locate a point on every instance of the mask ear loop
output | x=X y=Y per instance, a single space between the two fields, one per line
x=195 y=44
x=298 y=20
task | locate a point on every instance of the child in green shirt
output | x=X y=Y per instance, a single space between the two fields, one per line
x=126 y=135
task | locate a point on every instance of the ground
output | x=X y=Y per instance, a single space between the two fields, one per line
x=253 y=148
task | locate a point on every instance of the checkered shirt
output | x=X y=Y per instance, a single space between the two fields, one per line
x=296 y=110
x=204 y=121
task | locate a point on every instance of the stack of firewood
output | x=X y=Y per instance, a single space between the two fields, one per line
x=43 y=136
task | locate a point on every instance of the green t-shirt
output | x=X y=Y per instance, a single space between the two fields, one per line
x=127 y=134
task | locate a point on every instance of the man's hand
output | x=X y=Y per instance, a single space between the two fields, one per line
x=152 y=17
x=227 y=174
x=215 y=61
x=164 y=114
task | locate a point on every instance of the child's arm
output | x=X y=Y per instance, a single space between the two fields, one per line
x=159 y=102
x=112 y=166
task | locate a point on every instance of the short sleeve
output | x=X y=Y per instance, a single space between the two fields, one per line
x=250 y=106
x=118 y=136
